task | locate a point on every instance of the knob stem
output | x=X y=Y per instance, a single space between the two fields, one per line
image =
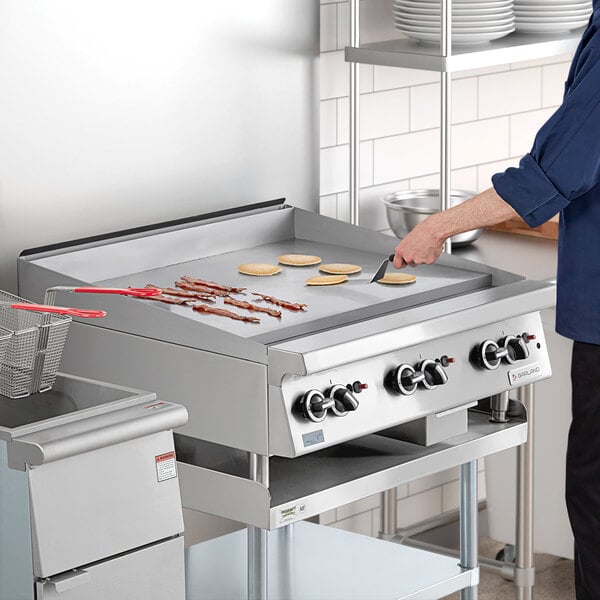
x=417 y=377
x=500 y=353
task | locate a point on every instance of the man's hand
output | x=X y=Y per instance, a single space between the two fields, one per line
x=423 y=245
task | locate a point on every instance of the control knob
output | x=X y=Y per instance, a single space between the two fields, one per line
x=517 y=348
x=404 y=379
x=313 y=405
x=434 y=373
x=343 y=399
x=512 y=348
x=490 y=354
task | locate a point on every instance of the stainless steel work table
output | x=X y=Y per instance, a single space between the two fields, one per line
x=313 y=562
x=305 y=486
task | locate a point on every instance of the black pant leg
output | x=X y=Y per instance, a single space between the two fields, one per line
x=583 y=469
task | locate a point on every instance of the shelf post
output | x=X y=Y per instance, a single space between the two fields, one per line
x=354 y=186
x=468 y=523
x=258 y=584
x=445 y=111
x=524 y=567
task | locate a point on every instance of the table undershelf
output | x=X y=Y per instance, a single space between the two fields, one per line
x=314 y=562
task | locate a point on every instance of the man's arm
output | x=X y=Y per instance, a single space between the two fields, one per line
x=425 y=242
x=563 y=164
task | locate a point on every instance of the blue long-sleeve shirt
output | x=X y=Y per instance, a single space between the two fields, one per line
x=562 y=174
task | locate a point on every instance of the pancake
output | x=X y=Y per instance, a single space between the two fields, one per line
x=340 y=269
x=299 y=260
x=397 y=278
x=327 y=280
x=259 y=269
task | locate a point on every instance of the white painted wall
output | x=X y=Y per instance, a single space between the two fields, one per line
x=121 y=113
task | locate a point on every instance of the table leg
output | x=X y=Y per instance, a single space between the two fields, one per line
x=258 y=583
x=388 y=525
x=468 y=524
x=524 y=567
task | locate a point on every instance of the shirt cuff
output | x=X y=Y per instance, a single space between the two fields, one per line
x=529 y=191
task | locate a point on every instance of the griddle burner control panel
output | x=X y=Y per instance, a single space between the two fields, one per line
x=410 y=383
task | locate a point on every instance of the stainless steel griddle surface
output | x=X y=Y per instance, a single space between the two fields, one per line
x=328 y=306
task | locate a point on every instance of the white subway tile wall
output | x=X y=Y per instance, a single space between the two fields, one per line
x=375 y=21
x=523 y=127
x=496 y=113
x=462 y=179
x=328 y=27
x=425 y=103
x=328 y=123
x=381 y=114
x=510 y=92
x=419 y=507
x=553 y=87
x=361 y=523
x=387 y=78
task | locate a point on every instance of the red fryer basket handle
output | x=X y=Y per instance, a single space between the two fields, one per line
x=84 y=313
x=136 y=292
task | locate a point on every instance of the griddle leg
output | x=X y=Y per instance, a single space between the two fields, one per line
x=388 y=526
x=524 y=568
x=468 y=525
x=285 y=561
x=258 y=580
x=257 y=563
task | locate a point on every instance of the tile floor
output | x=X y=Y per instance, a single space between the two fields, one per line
x=553 y=578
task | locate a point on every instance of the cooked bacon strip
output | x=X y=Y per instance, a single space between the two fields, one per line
x=167 y=299
x=282 y=303
x=224 y=313
x=190 y=295
x=250 y=306
x=184 y=285
x=213 y=285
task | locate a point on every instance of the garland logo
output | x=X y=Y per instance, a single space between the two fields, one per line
x=524 y=374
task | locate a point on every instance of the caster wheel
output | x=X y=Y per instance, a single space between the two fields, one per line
x=506 y=554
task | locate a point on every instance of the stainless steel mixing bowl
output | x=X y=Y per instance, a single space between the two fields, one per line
x=407 y=209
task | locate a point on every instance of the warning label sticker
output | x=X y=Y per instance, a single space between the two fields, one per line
x=166 y=466
x=155 y=405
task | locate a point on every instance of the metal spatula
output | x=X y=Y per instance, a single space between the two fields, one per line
x=382 y=269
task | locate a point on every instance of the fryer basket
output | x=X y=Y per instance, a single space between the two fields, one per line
x=34 y=346
x=5 y=336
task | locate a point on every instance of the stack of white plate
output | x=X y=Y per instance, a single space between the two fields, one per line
x=473 y=21
x=551 y=16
